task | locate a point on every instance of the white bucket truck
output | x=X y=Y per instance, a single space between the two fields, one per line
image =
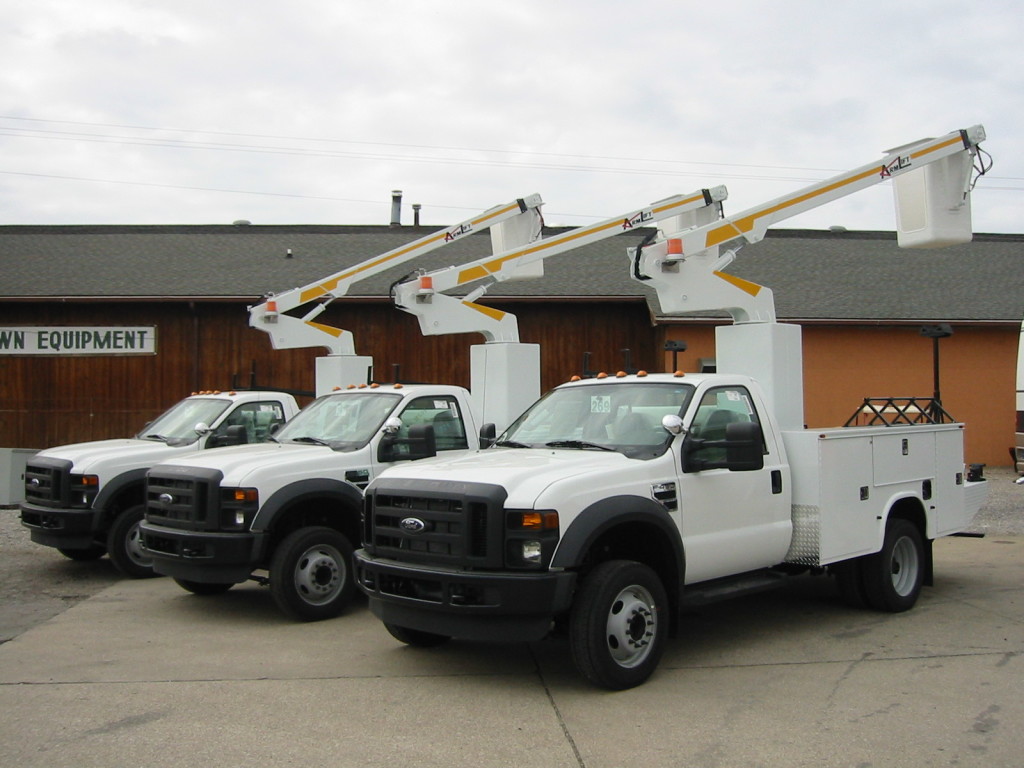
x=86 y=499
x=288 y=514
x=615 y=500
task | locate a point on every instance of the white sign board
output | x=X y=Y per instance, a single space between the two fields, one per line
x=77 y=340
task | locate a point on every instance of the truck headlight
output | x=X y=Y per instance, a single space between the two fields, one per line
x=530 y=538
x=238 y=507
x=84 y=488
x=532 y=552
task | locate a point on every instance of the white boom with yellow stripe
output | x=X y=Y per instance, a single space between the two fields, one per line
x=288 y=331
x=931 y=179
x=514 y=223
x=440 y=313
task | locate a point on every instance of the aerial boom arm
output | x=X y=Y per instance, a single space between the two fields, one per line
x=440 y=313
x=288 y=331
x=686 y=267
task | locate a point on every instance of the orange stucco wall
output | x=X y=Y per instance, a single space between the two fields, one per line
x=845 y=364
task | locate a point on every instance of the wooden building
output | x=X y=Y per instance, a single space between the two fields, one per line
x=860 y=300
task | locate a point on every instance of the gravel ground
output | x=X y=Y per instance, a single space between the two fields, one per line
x=37 y=583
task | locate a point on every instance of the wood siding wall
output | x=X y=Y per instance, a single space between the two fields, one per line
x=46 y=401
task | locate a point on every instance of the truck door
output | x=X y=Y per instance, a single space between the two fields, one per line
x=732 y=520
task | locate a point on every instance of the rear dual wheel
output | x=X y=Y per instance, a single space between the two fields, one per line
x=891 y=579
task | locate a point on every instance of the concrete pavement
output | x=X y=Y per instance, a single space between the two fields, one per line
x=146 y=674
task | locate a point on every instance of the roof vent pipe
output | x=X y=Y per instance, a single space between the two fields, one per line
x=416 y=214
x=396 y=208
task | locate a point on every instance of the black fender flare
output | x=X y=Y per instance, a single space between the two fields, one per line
x=114 y=488
x=603 y=515
x=345 y=492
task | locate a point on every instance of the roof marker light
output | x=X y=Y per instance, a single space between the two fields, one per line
x=641 y=373
x=602 y=375
x=575 y=377
x=620 y=374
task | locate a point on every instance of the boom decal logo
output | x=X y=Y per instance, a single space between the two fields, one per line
x=459 y=231
x=638 y=219
x=899 y=164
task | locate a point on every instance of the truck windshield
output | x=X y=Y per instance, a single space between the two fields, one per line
x=344 y=421
x=177 y=426
x=619 y=417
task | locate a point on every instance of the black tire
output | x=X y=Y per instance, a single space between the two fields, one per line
x=618 y=624
x=893 y=577
x=416 y=637
x=94 y=552
x=311 y=574
x=203 y=588
x=124 y=543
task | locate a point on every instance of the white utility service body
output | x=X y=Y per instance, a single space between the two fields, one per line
x=214 y=520
x=76 y=494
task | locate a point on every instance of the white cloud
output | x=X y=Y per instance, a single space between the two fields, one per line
x=598 y=106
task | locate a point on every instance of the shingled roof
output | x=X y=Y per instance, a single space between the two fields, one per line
x=815 y=275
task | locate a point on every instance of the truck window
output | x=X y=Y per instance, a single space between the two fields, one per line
x=443 y=413
x=615 y=416
x=258 y=419
x=177 y=425
x=718 y=408
x=345 y=421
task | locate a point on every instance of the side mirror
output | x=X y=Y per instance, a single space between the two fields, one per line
x=233 y=435
x=202 y=429
x=420 y=444
x=744 y=446
x=672 y=424
x=742 y=450
x=488 y=435
x=392 y=425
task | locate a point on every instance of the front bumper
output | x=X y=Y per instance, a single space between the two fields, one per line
x=204 y=556
x=473 y=605
x=60 y=527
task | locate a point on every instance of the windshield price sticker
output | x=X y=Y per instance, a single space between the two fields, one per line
x=600 y=403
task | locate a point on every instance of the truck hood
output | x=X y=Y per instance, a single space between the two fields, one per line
x=525 y=473
x=238 y=462
x=87 y=458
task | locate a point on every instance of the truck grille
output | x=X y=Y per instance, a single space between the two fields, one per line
x=458 y=528
x=180 y=498
x=48 y=482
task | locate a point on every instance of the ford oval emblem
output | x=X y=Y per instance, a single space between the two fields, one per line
x=34 y=482
x=166 y=498
x=412 y=525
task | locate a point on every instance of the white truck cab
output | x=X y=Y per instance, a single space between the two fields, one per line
x=286 y=513
x=86 y=499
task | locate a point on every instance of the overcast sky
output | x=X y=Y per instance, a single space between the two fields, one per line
x=312 y=111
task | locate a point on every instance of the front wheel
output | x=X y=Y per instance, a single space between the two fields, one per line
x=618 y=624
x=311 y=574
x=204 y=588
x=124 y=543
x=893 y=577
